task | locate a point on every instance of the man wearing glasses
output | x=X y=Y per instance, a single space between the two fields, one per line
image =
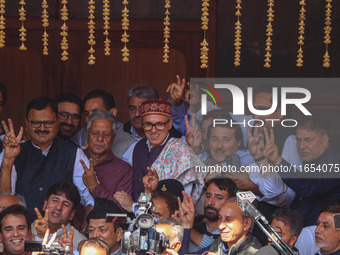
x=69 y=107
x=170 y=157
x=42 y=160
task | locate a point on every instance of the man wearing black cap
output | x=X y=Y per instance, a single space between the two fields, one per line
x=109 y=232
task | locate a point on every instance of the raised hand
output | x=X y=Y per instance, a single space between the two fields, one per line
x=89 y=176
x=11 y=141
x=51 y=241
x=186 y=210
x=67 y=239
x=176 y=91
x=124 y=199
x=193 y=136
x=41 y=223
x=271 y=152
x=150 y=181
x=255 y=143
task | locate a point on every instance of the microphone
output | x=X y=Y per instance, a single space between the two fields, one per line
x=244 y=201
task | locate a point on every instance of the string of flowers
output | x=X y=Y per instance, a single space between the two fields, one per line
x=106 y=18
x=125 y=27
x=269 y=33
x=166 y=32
x=301 y=32
x=238 y=29
x=2 y=23
x=327 y=37
x=64 y=33
x=204 y=43
x=45 y=24
x=22 y=30
x=91 y=40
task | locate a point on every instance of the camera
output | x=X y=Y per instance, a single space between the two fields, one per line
x=54 y=249
x=142 y=238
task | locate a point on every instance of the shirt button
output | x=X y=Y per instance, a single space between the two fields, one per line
x=41 y=188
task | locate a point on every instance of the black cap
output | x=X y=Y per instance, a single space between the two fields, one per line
x=172 y=186
x=102 y=207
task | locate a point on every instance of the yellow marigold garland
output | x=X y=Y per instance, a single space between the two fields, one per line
x=204 y=43
x=22 y=30
x=125 y=27
x=45 y=24
x=166 y=32
x=269 y=33
x=327 y=37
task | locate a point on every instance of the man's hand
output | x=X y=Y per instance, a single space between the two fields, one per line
x=150 y=181
x=243 y=182
x=11 y=142
x=186 y=211
x=193 y=136
x=41 y=223
x=124 y=199
x=89 y=176
x=66 y=238
x=176 y=91
x=255 y=143
x=271 y=152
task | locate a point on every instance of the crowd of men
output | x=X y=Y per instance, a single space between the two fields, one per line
x=58 y=178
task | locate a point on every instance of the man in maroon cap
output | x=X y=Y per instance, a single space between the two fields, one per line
x=171 y=157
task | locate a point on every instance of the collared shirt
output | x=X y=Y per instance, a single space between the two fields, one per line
x=135 y=134
x=78 y=171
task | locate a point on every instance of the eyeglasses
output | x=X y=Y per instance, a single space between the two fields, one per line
x=65 y=115
x=278 y=230
x=147 y=126
x=37 y=123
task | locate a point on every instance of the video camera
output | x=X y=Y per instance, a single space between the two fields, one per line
x=142 y=237
x=53 y=249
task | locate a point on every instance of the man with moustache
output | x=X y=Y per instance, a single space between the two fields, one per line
x=30 y=168
x=109 y=232
x=315 y=150
x=69 y=108
x=59 y=207
x=217 y=192
x=327 y=237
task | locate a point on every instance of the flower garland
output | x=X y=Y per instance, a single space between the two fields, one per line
x=166 y=31
x=106 y=18
x=238 y=29
x=64 y=33
x=91 y=40
x=45 y=24
x=125 y=27
x=269 y=33
x=204 y=43
x=327 y=37
x=22 y=30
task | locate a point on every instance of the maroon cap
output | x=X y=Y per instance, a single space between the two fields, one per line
x=156 y=106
